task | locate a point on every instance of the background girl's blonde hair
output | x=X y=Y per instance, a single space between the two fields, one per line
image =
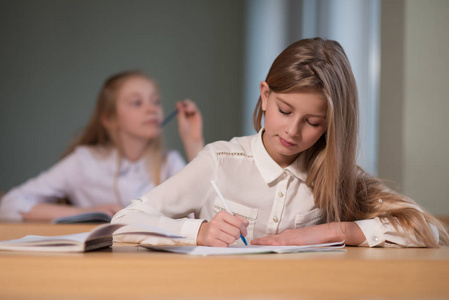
x=96 y=134
x=340 y=187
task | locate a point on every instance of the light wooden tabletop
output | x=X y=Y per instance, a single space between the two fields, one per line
x=128 y=272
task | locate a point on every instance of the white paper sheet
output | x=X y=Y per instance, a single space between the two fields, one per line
x=251 y=249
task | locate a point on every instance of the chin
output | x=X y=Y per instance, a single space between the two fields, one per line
x=286 y=152
x=151 y=136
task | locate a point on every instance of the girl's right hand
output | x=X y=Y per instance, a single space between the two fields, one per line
x=224 y=229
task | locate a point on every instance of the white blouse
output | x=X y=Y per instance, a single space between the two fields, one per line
x=270 y=197
x=86 y=177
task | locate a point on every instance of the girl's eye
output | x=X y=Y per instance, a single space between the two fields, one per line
x=283 y=112
x=136 y=102
x=313 y=124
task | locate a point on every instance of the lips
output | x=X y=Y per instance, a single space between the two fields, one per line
x=286 y=143
x=151 y=122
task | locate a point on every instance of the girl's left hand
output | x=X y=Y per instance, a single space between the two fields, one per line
x=317 y=234
x=190 y=127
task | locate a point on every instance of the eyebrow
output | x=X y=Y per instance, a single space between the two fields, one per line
x=283 y=101
x=138 y=94
x=288 y=104
x=131 y=95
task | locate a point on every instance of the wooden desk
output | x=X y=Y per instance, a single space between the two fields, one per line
x=126 y=272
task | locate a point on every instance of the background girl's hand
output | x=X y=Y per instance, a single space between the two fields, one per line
x=318 y=234
x=190 y=127
x=223 y=230
x=109 y=209
x=49 y=211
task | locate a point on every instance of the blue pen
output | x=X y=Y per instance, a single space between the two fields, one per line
x=226 y=206
x=169 y=117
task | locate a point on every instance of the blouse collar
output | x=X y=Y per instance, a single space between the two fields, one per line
x=125 y=164
x=269 y=169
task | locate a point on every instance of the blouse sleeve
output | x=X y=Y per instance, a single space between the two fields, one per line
x=381 y=233
x=168 y=205
x=47 y=187
x=175 y=163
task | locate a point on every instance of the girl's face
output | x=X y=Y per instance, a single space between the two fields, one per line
x=293 y=122
x=138 y=112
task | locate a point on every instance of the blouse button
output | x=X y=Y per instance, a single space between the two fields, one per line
x=280 y=194
x=275 y=219
x=375 y=238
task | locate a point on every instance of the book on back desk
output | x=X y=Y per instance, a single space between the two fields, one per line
x=90 y=217
x=100 y=237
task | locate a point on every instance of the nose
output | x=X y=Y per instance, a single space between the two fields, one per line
x=150 y=106
x=293 y=128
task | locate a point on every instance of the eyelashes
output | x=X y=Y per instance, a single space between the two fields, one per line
x=285 y=113
x=313 y=124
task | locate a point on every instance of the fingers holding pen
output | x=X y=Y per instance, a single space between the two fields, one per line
x=235 y=225
x=224 y=229
x=190 y=127
x=243 y=225
x=187 y=110
x=187 y=106
x=184 y=110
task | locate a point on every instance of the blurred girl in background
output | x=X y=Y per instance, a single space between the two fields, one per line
x=118 y=157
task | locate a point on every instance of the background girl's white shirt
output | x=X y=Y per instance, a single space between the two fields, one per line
x=86 y=178
x=271 y=198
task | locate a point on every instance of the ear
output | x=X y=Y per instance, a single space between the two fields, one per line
x=108 y=122
x=264 y=93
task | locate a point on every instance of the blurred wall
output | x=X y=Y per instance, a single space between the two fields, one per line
x=413 y=137
x=55 y=55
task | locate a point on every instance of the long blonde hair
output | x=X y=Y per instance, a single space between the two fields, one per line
x=340 y=187
x=96 y=134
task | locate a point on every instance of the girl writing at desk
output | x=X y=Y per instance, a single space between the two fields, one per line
x=296 y=181
x=119 y=155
